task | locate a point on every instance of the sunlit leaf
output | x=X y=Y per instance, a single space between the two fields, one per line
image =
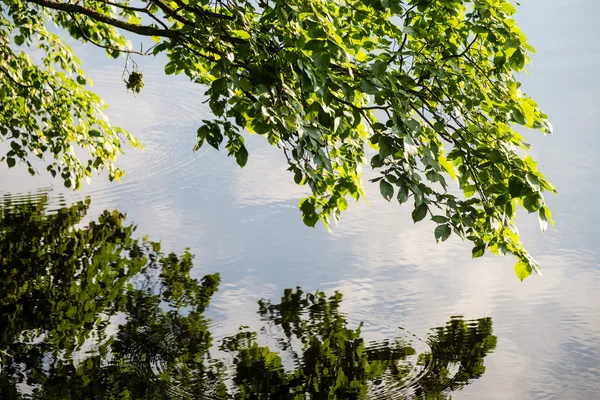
x=522 y=269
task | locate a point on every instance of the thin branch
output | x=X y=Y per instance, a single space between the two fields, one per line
x=445 y=134
x=171 y=13
x=468 y=149
x=485 y=74
x=86 y=37
x=122 y=6
x=358 y=107
x=9 y=76
x=202 y=11
x=137 y=9
x=466 y=50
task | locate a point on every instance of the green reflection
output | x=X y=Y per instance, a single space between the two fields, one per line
x=89 y=311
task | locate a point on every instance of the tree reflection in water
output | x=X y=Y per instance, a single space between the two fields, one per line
x=92 y=312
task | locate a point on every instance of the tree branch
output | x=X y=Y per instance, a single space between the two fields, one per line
x=74 y=8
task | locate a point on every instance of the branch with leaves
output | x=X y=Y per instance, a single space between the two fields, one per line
x=430 y=86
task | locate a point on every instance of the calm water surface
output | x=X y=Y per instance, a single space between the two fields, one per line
x=245 y=224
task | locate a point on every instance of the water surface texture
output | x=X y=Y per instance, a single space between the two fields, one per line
x=89 y=311
x=245 y=225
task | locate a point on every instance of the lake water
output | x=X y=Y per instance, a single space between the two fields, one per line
x=245 y=224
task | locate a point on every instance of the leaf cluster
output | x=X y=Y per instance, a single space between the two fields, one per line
x=426 y=90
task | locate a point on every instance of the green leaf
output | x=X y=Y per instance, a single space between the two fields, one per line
x=518 y=116
x=321 y=60
x=19 y=40
x=543 y=219
x=547 y=215
x=170 y=68
x=315 y=44
x=368 y=87
x=376 y=161
x=523 y=270
x=533 y=203
x=214 y=137
x=499 y=60
x=518 y=59
x=10 y=162
x=512 y=43
x=502 y=200
x=495 y=156
x=310 y=219
x=442 y=232
x=419 y=212
x=403 y=193
x=241 y=156
x=379 y=67
x=508 y=8
x=478 y=251
x=440 y=219
x=219 y=85
x=386 y=189
x=518 y=188
x=246 y=85
x=298 y=176
x=164 y=376
x=361 y=56
x=241 y=34
x=342 y=204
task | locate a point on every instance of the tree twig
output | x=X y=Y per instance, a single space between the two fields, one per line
x=86 y=37
x=9 y=76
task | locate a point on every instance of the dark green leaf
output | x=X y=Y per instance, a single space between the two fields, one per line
x=241 y=156
x=376 y=161
x=502 y=200
x=478 y=251
x=245 y=85
x=442 y=232
x=386 y=189
x=518 y=116
x=402 y=193
x=499 y=60
x=518 y=59
x=419 y=212
x=170 y=68
x=378 y=67
x=310 y=219
x=533 y=203
x=315 y=44
x=321 y=60
x=368 y=87
x=298 y=176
